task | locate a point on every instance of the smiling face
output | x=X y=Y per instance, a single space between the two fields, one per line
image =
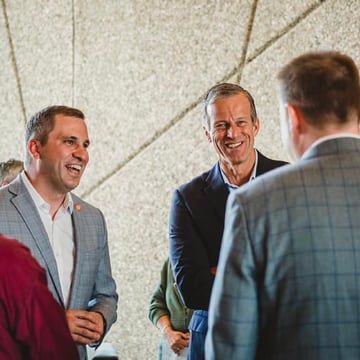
x=232 y=131
x=61 y=161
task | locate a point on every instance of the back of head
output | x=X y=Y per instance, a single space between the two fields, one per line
x=324 y=85
x=224 y=90
x=9 y=170
x=42 y=123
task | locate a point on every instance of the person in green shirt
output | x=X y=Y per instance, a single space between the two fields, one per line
x=169 y=314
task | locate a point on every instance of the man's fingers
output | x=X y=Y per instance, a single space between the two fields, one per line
x=84 y=327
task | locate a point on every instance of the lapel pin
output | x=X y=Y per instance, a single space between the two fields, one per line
x=77 y=207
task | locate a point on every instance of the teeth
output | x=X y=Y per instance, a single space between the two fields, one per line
x=234 y=145
x=76 y=167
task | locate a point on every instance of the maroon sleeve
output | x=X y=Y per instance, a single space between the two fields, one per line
x=35 y=319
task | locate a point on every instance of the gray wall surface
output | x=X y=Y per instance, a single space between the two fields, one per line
x=138 y=69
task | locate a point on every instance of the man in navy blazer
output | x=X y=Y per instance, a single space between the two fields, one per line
x=65 y=234
x=287 y=285
x=197 y=213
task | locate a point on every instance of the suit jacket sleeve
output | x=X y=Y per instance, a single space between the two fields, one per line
x=93 y=281
x=233 y=336
x=32 y=322
x=189 y=257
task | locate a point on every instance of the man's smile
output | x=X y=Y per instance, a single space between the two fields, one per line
x=234 y=145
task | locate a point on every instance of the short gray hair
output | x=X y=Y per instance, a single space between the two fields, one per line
x=10 y=169
x=224 y=90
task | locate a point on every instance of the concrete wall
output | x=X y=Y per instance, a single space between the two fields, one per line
x=138 y=69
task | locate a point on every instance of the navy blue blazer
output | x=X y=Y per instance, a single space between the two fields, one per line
x=195 y=232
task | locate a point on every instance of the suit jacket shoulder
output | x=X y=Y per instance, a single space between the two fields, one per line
x=266 y=164
x=205 y=196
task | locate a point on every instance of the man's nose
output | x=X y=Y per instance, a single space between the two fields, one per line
x=231 y=131
x=81 y=153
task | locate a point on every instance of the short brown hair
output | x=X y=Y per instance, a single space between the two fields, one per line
x=41 y=123
x=323 y=85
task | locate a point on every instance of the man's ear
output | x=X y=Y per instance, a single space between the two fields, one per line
x=256 y=126
x=207 y=134
x=33 y=147
x=295 y=119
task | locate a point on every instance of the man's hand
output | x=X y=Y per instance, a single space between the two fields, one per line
x=176 y=339
x=86 y=327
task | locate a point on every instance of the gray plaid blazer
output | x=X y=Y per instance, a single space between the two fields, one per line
x=288 y=281
x=92 y=280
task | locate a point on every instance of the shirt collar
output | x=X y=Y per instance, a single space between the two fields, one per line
x=329 y=137
x=39 y=201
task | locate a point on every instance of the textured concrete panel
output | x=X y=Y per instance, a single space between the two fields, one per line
x=11 y=118
x=273 y=18
x=312 y=33
x=140 y=64
x=42 y=38
x=136 y=204
x=138 y=231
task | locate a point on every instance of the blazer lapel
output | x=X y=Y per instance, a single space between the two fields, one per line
x=76 y=220
x=26 y=208
x=216 y=191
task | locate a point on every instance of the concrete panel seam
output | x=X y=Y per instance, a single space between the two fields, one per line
x=73 y=53
x=157 y=135
x=289 y=27
x=144 y=146
x=247 y=41
x=13 y=60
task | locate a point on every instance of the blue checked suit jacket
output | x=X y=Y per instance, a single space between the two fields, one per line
x=288 y=281
x=92 y=279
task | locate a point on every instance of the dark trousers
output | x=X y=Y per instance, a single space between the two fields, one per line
x=198 y=328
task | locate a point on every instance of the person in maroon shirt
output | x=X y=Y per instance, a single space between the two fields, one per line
x=32 y=323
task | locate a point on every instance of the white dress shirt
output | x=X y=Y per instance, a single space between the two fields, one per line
x=61 y=235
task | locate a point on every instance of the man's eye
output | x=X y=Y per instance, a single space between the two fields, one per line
x=220 y=126
x=69 y=141
x=241 y=123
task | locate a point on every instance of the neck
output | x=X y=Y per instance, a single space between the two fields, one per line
x=48 y=194
x=237 y=174
x=310 y=137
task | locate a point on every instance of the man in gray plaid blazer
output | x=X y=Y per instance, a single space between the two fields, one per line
x=288 y=280
x=65 y=234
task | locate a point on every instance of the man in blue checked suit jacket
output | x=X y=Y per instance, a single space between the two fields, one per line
x=65 y=234
x=197 y=213
x=287 y=285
